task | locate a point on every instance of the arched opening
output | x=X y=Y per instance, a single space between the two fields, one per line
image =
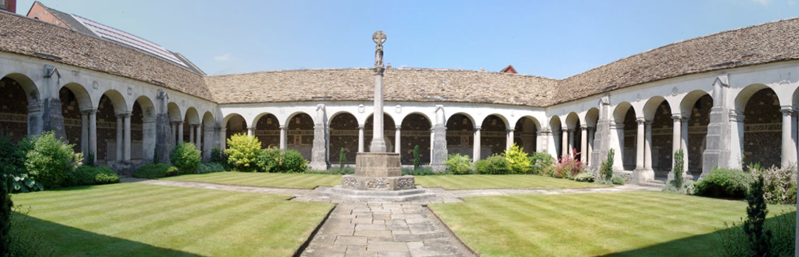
x=343 y=134
x=658 y=112
x=591 y=119
x=267 y=130
x=526 y=134
x=698 y=111
x=20 y=112
x=460 y=135
x=190 y=123
x=493 y=135
x=74 y=100
x=235 y=124
x=388 y=132
x=142 y=130
x=575 y=136
x=111 y=112
x=626 y=132
x=415 y=131
x=762 y=127
x=555 y=126
x=175 y=120
x=300 y=132
x=208 y=135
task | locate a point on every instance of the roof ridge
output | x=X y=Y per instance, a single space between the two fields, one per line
x=397 y=69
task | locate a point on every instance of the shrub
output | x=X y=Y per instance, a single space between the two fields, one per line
x=23 y=183
x=242 y=151
x=421 y=172
x=687 y=187
x=416 y=159
x=677 y=168
x=210 y=167
x=459 y=164
x=25 y=240
x=606 y=169
x=780 y=183
x=12 y=156
x=518 y=162
x=49 y=159
x=541 y=163
x=726 y=183
x=186 y=157
x=755 y=219
x=568 y=167
x=617 y=180
x=5 y=216
x=218 y=156
x=732 y=240
x=155 y=170
x=584 y=177
x=88 y=175
x=495 y=164
x=276 y=160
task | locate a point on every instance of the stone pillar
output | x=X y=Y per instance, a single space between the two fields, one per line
x=319 y=150
x=180 y=133
x=648 y=146
x=93 y=133
x=509 y=139
x=639 y=143
x=52 y=118
x=162 y=145
x=191 y=133
x=717 y=153
x=378 y=144
x=432 y=136
x=360 y=138
x=199 y=139
x=788 y=145
x=397 y=141
x=736 y=140
x=223 y=138
x=618 y=144
x=208 y=142
x=35 y=121
x=283 y=137
x=584 y=143
x=476 y=144
x=149 y=135
x=84 y=134
x=439 y=142
x=120 y=133
x=126 y=139
x=676 y=144
x=251 y=131
x=590 y=154
x=564 y=142
x=175 y=132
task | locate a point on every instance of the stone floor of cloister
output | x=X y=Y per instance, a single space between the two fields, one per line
x=381 y=228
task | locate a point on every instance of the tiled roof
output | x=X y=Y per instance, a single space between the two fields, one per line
x=21 y=35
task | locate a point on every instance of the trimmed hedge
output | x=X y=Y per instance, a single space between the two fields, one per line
x=727 y=183
x=495 y=164
x=210 y=167
x=276 y=160
x=88 y=175
x=155 y=170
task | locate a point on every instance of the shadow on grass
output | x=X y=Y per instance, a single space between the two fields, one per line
x=68 y=241
x=699 y=245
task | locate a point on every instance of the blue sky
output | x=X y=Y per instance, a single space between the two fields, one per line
x=553 y=39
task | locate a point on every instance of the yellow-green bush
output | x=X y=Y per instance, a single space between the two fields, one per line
x=518 y=162
x=243 y=151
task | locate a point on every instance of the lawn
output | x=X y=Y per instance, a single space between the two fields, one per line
x=499 y=181
x=616 y=224
x=285 y=180
x=146 y=220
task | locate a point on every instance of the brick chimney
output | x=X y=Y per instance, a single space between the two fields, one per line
x=8 y=5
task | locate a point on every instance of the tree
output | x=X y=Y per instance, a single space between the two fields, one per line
x=607 y=166
x=416 y=160
x=678 y=168
x=756 y=217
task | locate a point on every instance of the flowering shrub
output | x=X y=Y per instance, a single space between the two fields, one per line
x=568 y=166
x=780 y=183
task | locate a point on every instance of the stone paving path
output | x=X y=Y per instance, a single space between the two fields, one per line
x=362 y=228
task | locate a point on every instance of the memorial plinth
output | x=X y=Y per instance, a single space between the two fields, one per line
x=378 y=171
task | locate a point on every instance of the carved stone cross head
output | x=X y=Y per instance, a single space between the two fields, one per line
x=379 y=37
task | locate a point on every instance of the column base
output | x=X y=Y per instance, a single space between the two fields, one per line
x=643 y=175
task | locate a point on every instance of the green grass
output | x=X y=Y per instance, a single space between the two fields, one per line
x=499 y=181
x=615 y=224
x=146 y=220
x=285 y=180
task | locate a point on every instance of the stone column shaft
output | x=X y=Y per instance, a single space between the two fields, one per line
x=397 y=141
x=639 y=143
x=223 y=139
x=360 y=139
x=378 y=144
x=564 y=142
x=676 y=144
x=283 y=137
x=584 y=144
x=84 y=134
x=199 y=138
x=589 y=155
x=509 y=140
x=180 y=133
x=126 y=139
x=93 y=133
x=684 y=144
x=477 y=146
x=120 y=133
x=648 y=146
x=175 y=132
x=788 y=145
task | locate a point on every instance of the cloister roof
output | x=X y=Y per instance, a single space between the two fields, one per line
x=21 y=35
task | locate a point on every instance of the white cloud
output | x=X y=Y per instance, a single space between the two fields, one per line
x=222 y=58
x=762 y=2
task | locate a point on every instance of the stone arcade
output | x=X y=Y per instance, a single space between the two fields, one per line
x=727 y=99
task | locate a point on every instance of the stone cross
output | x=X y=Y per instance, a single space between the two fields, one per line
x=378 y=144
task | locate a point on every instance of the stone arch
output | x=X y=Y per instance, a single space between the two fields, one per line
x=21 y=110
x=300 y=133
x=190 y=119
x=74 y=100
x=467 y=115
x=624 y=140
x=526 y=133
x=232 y=124
x=660 y=125
x=762 y=137
x=111 y=110
x=415 y=130
x=652 y=106
x=267 y=129
x=344 y=134
x=695 y=109
x=592 y=117
x=494 y=134
x=460 y=134
x=389 y=127
x=573 y=123
x=687 y=103
x=28 y=86
x=291 y=116
x=143 y=114
x=555 y=126
x=173 y=110
x=192 y=116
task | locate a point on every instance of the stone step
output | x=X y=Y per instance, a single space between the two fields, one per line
x=653 y=183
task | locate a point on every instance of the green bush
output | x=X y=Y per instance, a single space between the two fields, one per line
x=459 y=164
x=756 y=213
x=780 y=183
x=218 y=156
x=677 y=168
x=726 y=183
x=732 y=240
x=26 y=238
x=12 y=156
x=584 y=177
x=5 y=215
x=49 y=159
x=518 y=163
x=88 y=175
x=421 y=172
x=210 y=167
x=617 y=180
x=23 y=183
x=495 y=164
x=155 y=170
x=276 y=160
x=242 y=151
x=686 y=188
x=541 y=163
x=186 y=157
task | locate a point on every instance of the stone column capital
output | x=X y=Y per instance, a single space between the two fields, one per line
x=736 y=116
x=786 y=110
x=510 y=130
x=678 y=117
x=583 y=126
x=284 y=127
x=88 y=111
x=123 y=115
x=640 y=120
x=361 y=127
x=398 y=127
x=477 y=128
